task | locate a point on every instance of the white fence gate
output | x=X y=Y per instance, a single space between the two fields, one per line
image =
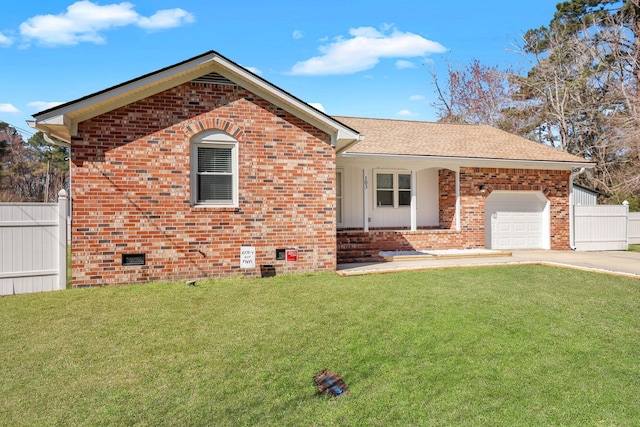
x=33 y=246
x=634 y=228
x=601 y=227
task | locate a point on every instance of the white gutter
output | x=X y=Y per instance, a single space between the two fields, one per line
x=351 y=144
x=32 y=124
x=472 y=160
x=572 y=242
x=58 y=143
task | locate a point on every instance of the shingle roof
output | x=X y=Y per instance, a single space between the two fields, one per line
x=413 y=138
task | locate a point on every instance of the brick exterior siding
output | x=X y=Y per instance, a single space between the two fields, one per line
x=131 y=190
x=357 y=246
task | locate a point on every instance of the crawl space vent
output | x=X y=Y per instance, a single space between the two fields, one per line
x=214 y=79
x=130 y=260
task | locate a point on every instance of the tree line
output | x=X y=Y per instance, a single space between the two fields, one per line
x=33 y=170
x=580 y=94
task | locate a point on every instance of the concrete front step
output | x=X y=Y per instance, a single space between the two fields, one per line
x=447 y=254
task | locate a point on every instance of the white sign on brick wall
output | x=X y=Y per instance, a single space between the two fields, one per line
x=247 y=257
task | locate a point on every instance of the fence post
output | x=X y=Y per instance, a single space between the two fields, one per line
x=626 y=205
x=62 y=239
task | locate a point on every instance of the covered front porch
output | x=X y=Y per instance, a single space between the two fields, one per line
x=418 y=186
x=400 y=206
x=444 y=208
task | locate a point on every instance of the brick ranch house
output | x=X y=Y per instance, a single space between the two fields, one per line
x=204 y=169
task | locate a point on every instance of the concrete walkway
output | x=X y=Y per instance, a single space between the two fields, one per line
x=611 y=262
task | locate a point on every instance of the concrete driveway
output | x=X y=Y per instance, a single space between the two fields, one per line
x=611 y=262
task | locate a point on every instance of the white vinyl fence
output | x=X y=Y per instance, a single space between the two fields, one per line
x=601 y=227
x=634 y=228
x=33 y=246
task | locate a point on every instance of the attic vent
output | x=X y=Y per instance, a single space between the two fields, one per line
x=214 y=78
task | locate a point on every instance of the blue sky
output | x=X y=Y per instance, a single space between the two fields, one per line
x=358 y=58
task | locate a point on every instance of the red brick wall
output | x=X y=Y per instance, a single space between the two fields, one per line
x=356 y=246
x=447 y=202
x=554 y=185
x=131 y=190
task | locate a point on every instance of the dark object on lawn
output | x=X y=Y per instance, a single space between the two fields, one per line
x=330 y=383
x=191 y=282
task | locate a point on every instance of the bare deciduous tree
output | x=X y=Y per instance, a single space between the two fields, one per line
x=475 y=94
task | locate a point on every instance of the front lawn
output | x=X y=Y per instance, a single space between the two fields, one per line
x=499 y=346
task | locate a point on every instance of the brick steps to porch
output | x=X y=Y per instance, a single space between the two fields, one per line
x=357 y=250
x=358 y=247
x=357 y=256
x=365 y=248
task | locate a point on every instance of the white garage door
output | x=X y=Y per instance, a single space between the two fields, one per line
x=516 y=220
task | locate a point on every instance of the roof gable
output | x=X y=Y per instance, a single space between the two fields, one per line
x=62 y=121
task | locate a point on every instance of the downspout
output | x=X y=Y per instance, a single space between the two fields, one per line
x=574 y=173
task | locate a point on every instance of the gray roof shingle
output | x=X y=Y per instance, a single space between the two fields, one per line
x=414 y=138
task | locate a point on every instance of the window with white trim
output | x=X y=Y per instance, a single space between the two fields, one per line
x=214 y=169
x=393 y=189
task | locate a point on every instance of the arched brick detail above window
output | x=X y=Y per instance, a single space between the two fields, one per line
x=195 y=126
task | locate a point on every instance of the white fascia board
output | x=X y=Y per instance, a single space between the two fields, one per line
x=110 y=99
x=454 y=162
x=56 y=129
x=70 y=115
x=170 y=77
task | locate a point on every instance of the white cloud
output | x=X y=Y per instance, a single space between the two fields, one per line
x=167 y=18
x=406 y=113
x=8 y=108
x=254 y=70
x=363 y=50
x=5 y=41
x=401 y=64
x=297 y=34
x=84 y=21
x=43 y=105
x=417 y=98
x=317 y=106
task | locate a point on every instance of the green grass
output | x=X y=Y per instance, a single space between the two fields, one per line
x=503 y=346
x=634 y=248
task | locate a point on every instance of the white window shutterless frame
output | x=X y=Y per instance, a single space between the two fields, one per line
x=393 y=189
x=214 y=170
